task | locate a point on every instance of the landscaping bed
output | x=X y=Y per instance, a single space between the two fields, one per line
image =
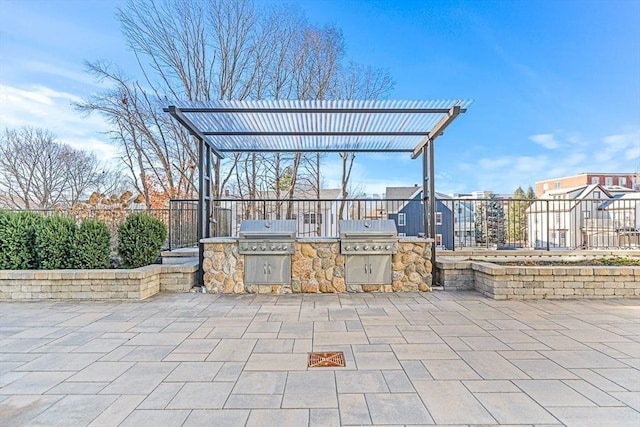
x=607 y=262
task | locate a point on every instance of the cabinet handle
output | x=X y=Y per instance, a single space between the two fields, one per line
x=370 y=269
x=269 y=268
x=264 y=268
x=365 y=269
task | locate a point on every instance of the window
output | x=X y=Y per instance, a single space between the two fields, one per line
x=438 y=239
x=556 y=185
x=595 y=180
x=402 y=219
x=622 y=181
x=438 y=218
x=545 y=186
x=311 y=218
x=608 y=181
x=596 y=194
x=586 y=214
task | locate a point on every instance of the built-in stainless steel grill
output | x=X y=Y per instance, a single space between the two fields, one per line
x=268 y=245
x=376 y=237
x=267 y=237
x=368 y=246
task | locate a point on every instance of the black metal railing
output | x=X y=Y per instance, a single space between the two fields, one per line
x=461 y=223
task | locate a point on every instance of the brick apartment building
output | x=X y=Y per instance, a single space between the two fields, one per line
x=626 y=180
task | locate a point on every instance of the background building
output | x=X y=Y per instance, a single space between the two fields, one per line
x=625 y=180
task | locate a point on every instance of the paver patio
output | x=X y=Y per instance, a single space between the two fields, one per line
x=443 y=358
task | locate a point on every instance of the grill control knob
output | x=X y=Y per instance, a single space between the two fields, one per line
x=356 y=248
x=244 y=247
x=253 y=248
x=375 y=247
x=284 y=247
x=263 y=248
x=366 y=247
x=347 y=248
x=387 y=247
x=273 y=248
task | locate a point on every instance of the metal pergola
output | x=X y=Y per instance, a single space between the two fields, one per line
x=316 y=126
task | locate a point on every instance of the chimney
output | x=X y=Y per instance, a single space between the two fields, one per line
x=226 y=192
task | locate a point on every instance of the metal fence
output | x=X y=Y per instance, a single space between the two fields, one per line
x=180 y=221
x=461 y=223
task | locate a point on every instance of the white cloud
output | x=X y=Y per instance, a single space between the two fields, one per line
x=547 y=140
x=43 y=107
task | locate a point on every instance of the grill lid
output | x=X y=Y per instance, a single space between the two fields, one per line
x=268 y=229
x=365 y=228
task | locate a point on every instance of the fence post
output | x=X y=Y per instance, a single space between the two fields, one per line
x=170 y=225
x=548 y=230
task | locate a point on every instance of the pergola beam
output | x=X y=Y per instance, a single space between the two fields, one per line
x=438 y=129
x=321 y=110
x=313 y=133
x=316 y=150
x=178 y=114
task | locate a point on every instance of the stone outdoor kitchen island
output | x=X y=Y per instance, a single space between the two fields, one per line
x=317 y=266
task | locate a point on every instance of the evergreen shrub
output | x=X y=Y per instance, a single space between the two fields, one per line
x=140 y=238
x=92 y=245
x=55 y=243
x=17 y=240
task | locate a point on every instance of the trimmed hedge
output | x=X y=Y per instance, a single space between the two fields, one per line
x=55 y=242
x=92 y=245
x=140 y=238
x=18 y=240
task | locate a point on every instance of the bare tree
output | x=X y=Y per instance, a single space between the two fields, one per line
x=359 y=82
x=38 y=172
x=218 y=50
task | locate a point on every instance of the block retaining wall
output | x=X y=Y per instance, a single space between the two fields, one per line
x=121 y=284
x=539 y=282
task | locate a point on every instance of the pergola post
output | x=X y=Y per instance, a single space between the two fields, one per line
x=204 y=201
x=428 y=196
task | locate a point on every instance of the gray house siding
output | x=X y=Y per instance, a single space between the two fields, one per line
x=413 y=225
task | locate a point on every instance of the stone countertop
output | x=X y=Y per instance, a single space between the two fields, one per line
x=317 y=240
x=412 y=239
x=219 y=240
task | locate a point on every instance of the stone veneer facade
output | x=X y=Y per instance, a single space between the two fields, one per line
x=316 y=266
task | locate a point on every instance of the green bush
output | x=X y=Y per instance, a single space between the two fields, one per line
x=55 y=242
x=140 y=238
x=17 y=240
x=92 y=245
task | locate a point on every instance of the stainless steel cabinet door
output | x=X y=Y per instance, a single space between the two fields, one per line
x=380 y=269
x=255 y=270
x=278 y=269
x=357 y=269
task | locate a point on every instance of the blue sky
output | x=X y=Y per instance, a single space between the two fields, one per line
x=555 y=84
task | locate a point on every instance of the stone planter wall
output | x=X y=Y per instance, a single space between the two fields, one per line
x=122 y=284
x=553 y=282
x=316 y=266
x=538 y=282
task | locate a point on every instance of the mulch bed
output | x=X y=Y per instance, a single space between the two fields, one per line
x=610 y=262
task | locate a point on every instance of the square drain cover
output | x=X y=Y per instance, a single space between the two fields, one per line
x=334 y=359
